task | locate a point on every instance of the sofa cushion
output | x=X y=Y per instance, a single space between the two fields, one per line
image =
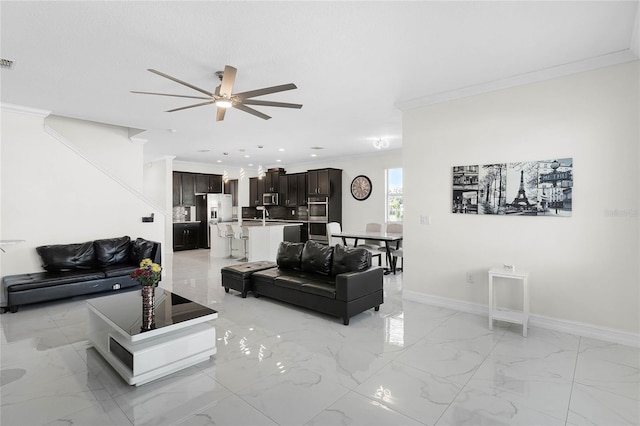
x=287 y=281
x=350 y=259
x=120 y=270
x=289 y=255
x=319 y=288
x=141 y=249
x=317 y=258
x=23 y=282
x=67 y=257
x=112 y=251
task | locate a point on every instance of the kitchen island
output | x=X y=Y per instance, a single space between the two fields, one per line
x=262 y=244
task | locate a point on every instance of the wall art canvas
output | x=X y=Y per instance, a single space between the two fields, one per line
x=532 y=188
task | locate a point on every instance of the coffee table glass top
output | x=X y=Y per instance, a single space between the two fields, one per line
x=124 y=311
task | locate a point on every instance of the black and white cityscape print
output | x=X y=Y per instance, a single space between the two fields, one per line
x=533 y=188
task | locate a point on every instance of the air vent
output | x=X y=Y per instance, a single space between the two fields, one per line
x=6 y=63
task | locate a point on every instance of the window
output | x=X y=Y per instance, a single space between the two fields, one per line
x=394 y=202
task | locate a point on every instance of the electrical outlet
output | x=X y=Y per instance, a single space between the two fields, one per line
x=469 y=278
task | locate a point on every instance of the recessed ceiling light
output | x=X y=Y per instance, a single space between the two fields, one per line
x=314 y=155
x=250 y=164
x=241 y=150
x=278 y=161
x=219 y=161
x=280 y=149
x=204 y=150
x=247 y=156
x=260 y=146
x=172 y=130
x=225 y=153
x=317 y=147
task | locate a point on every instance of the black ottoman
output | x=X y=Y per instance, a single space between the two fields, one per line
x=238 y=277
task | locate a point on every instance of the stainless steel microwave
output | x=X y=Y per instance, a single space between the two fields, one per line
x=270 y=199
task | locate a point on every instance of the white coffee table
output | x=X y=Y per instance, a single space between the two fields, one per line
x=184 y=334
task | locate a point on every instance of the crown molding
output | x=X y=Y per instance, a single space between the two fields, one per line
x=615 y=58
x=25 y=110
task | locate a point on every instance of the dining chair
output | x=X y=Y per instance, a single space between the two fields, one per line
x=332 y=229
x=395 y=252
x=373 y=246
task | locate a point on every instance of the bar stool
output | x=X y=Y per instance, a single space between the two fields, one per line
x=238 y=234
x=223 y=232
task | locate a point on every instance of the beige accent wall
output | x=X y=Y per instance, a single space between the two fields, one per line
x=583 y=268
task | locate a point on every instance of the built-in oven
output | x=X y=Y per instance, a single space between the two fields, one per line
x=318 y=231
x=318 y=209
x=318 y=216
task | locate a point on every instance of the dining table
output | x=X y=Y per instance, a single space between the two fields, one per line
x=391 y=241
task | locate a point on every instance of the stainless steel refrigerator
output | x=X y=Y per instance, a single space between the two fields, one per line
x=211 y=209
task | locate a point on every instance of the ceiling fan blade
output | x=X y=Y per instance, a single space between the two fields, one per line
x=250 y=110
x=269 y=103
x=228 y=78
x=220 y=113
x=265 y=91
x=184 y=83
x=191 y=106
x=167 y=94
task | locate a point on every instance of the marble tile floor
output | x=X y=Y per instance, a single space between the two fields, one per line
x=408 y=364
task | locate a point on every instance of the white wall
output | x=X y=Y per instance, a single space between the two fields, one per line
x=51 y=194
x=583 y=268
x=106 y=145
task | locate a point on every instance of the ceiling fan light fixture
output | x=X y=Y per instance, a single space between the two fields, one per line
x=224 y=103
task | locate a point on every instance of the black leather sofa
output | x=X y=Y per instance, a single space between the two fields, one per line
x=338 y=281
x=79 y=269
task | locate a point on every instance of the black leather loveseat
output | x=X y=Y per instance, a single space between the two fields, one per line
x=338 y=281
x=79 y=269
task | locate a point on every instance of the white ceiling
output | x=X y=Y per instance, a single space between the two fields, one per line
x=356 y=64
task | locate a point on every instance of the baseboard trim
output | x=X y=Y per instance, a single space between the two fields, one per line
x=566 y=326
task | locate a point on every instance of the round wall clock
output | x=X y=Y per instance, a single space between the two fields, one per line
x=361 y=187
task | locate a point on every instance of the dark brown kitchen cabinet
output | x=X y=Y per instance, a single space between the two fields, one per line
x=293 y=189
x=287 y=193
x=256 y=189
x=188 y=189
x=208 y=184
x=272 y=181
x=184 y=189
x=231 y=187
x=322 y=182
x=185 y=236
x=302 y=189
x=177 y=189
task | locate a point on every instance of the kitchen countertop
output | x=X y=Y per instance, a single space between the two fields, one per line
x=276 y=220
x=258 y=222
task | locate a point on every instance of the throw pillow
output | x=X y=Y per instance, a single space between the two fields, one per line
x=317 y=258
x=112 y=251
x=141 y=249
x=350 y=259
x=289 y=255
x=67 y=257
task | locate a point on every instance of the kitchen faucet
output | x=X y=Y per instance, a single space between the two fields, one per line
x=265 y=213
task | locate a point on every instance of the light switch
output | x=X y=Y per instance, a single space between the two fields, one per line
x=425 y=220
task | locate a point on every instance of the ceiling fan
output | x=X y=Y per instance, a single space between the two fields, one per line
x=223 y=96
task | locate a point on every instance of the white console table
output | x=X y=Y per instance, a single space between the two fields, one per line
x=509 y=315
